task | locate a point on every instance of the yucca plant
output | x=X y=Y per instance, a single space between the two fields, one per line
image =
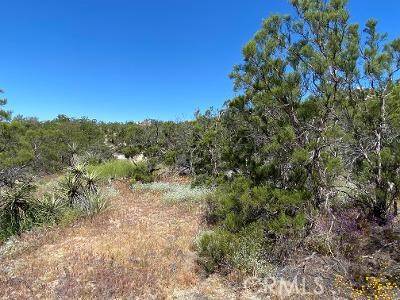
x=72 y=188
x=73 y=149
x=78 y=167
x=16 y=207
x=91 y=179
x=94 y=203
x=50 y=207
x=80 y=188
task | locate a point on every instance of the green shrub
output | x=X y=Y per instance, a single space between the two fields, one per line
x=16 y=209
x=254 y=219
x=170 y=157
x=203 y=180
x=130 y=151
x=215 y=248
x=141 y=173
x=244 y=251
x=250 y=255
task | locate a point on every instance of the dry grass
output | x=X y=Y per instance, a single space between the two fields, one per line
x=140 y=248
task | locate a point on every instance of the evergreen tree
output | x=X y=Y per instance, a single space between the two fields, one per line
x=308 y=81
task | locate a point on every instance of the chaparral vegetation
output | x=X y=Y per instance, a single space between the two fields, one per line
x=296 y=178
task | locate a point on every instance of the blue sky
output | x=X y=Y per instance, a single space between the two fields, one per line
x=119 y=60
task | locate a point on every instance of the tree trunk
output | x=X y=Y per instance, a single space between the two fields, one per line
x=380 y=205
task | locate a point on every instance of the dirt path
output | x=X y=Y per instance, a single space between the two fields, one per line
x=142 y=248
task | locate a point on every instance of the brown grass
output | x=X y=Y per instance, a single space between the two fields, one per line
x=141 y=248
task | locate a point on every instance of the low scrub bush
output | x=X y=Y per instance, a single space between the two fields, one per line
x=16 y=209
x=215 y=248
x=269 y=216
x=142 y=173
x=223 y=250
x=130 y=151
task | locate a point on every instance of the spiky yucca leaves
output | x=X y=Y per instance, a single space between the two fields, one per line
x=77 y=194
x=78 y=182
x=78 y=167
x=16 y=207
x=50 y=208
x=73 y=150
x=91 y=179
x=95 y=202
x=73 y=189
x=80 y=188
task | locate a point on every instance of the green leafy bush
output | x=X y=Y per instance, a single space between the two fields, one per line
x=142 y=173
x=215 y=248
x=130 y=151
x=223 y=250
x=239 y=210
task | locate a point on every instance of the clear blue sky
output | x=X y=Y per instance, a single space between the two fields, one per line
x=118 y=60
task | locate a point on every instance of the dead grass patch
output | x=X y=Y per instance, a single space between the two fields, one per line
x=139 y=248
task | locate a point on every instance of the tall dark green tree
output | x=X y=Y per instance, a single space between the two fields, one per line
x=306 y=81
